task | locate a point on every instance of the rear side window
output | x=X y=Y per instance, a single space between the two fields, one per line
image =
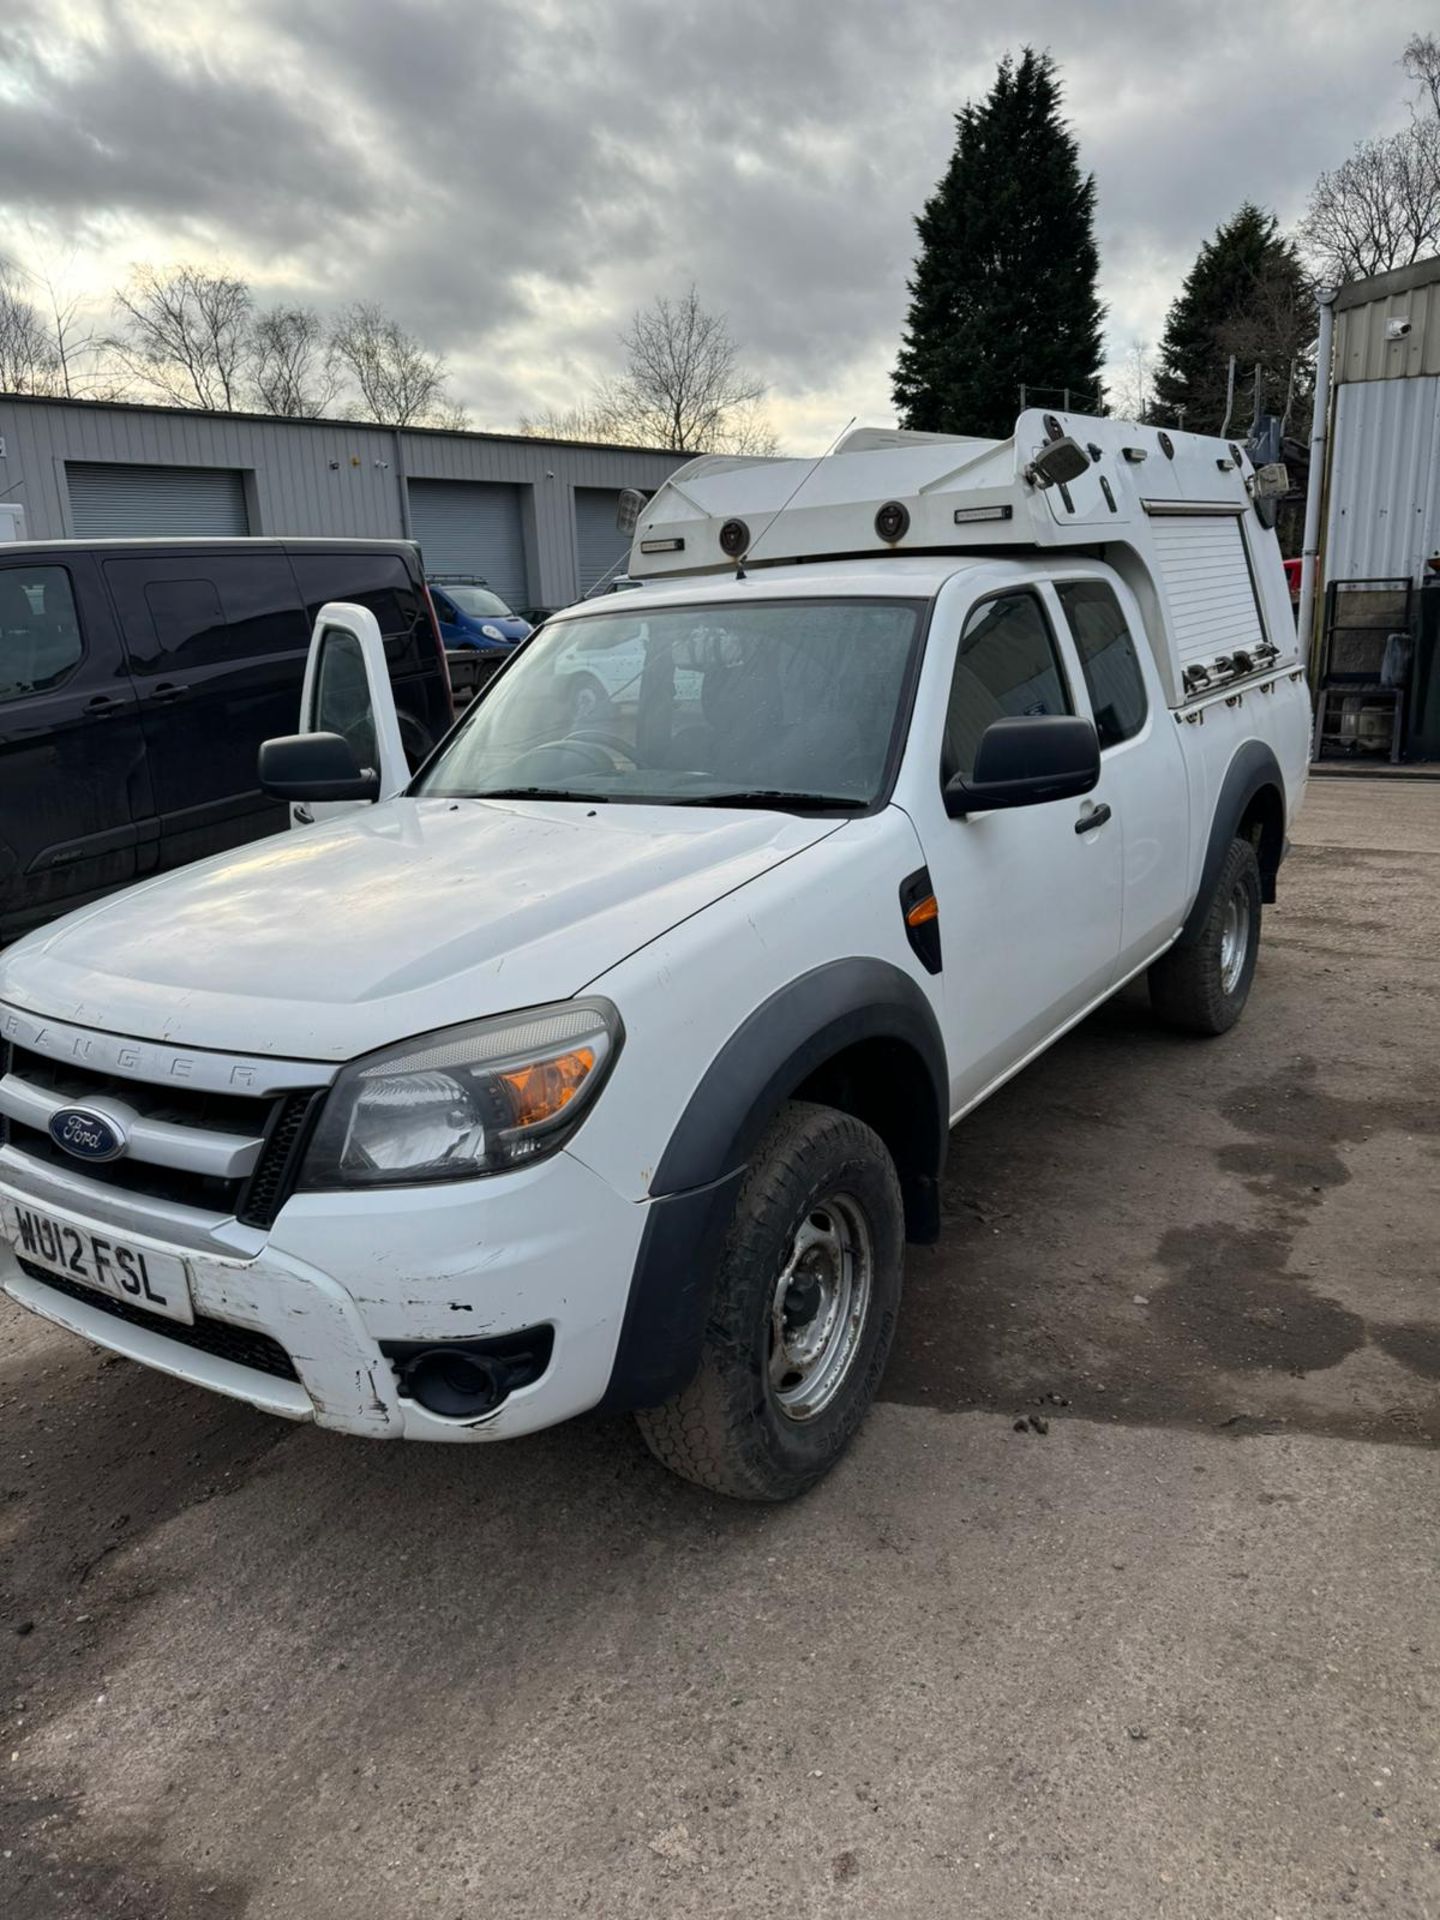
x=380 y=582
x=1006 y=666
x=40 y=642
x=1107 y=658
x=182 y=614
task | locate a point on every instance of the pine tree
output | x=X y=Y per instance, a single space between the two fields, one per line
x=1003 y=294
x=1246 y=294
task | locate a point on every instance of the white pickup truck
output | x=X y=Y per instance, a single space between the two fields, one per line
x=611 y=1060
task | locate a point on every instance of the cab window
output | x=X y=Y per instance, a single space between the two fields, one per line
x=1107 y=658
x=1007 y=665
x=40 y=642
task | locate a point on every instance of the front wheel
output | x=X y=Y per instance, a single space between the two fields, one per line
x=805 y=1306
x=1202 y=988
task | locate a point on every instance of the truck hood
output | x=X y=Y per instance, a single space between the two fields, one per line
x=324 y=943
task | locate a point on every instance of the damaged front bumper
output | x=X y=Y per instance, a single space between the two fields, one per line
x=304 y=1321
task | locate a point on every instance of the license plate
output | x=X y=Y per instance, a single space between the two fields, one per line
x=155 y=1282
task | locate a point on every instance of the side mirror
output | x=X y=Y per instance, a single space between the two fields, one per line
x=1026 y=761
x=315 y=766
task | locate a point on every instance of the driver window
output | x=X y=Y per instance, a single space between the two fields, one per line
x=342 y=702
x=1006 y=666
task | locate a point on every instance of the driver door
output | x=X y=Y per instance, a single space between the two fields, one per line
x=347 y=691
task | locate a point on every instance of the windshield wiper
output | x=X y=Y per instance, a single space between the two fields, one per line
x=784 y=799
x=530 y=793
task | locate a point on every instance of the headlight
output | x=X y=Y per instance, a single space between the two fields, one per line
x=464 y=1101
x=491 y=633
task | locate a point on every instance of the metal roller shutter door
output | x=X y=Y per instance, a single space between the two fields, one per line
x=1207 y=582
x=169 y=503
x=472 y=526
x=600 y=547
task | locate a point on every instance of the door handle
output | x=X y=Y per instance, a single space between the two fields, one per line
x=167 y=690
x=101 y=705
x=303 y=815
x=1096 y=817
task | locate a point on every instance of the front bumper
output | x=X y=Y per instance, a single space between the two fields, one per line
x=550 y=1245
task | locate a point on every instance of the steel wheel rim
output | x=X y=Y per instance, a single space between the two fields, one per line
x=819 y=1307
x=1234 y=939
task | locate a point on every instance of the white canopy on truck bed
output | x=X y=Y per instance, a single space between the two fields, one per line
x=1172 y=512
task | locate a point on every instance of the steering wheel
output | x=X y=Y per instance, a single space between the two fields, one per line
x=598 y=737
x=592 y=758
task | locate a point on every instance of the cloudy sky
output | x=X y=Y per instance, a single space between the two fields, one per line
x=513 y=177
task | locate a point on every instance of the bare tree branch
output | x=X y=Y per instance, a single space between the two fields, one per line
x=1380 y=208
x=185 y=335
x=1421 y=61
x=1132 y=392
x=400 y=383
x=682 y=389
x=292 y=367
x=28 y=362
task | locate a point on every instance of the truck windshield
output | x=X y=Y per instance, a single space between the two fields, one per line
x=761 y=703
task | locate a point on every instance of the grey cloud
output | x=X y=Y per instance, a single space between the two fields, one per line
x=490 y=171
x=117 y=128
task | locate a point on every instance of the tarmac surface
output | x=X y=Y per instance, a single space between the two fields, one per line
x=1124 y=1603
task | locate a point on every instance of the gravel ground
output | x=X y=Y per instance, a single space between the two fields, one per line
x=1124 y=1603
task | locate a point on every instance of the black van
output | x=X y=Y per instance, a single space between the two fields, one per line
x=138 y=679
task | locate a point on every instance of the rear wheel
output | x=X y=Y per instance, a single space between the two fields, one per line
x=805 y=1306
x=1202 y=988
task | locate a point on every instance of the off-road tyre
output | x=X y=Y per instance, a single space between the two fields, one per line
x=1202 y=988
x=727 y=1429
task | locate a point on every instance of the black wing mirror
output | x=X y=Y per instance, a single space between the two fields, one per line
x=1024 y=762
x=315 y=766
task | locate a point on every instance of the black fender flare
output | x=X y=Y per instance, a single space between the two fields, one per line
x=1253 y=767
x=806 y=1023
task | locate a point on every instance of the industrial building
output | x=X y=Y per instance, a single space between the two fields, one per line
x=1377 y=634
x=535 y=519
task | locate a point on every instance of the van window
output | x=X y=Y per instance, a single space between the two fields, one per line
x=1006 y=666
x=379 y=581
x=40 y=642
x=341 y=702
x=182 y=614
x=1107 y=657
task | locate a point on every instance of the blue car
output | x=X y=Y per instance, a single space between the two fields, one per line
x=470 y=615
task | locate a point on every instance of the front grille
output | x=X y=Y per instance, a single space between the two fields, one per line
x=279 y=1162
x=241 y=1345
x=281 y=1121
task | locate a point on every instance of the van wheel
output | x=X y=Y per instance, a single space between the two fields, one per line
x=1203 y=988
x=805 y=1306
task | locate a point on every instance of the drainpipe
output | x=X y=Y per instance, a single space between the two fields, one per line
x=402 y=480
x=1315 y=487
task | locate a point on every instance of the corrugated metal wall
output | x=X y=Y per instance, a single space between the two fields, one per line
x=1384 y=479
x=317 y=477
x=1362 y=351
